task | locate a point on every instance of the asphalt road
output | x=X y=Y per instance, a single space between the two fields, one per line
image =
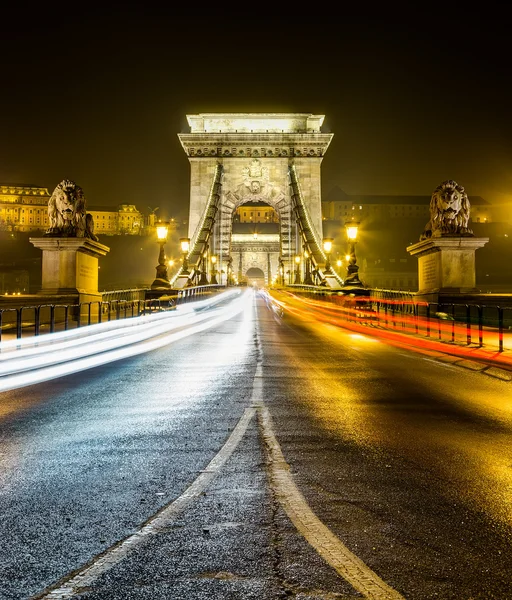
x=270 y=456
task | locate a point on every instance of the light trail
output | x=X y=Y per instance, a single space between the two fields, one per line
x=402 y=334
x=50 y=361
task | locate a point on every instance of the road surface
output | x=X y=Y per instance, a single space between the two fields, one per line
x=268 y=456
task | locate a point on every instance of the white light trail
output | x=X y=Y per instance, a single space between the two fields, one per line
x=52 y=360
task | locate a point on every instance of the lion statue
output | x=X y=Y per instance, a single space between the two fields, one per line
x=67 y=214
x=449 y=212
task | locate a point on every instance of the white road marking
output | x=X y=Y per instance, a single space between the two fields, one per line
x=330 y=548
x=76 y=581
x=320 y=537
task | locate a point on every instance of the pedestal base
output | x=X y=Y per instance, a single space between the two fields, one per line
x=181 y=282
x=70 y=265
x=446 y=264
x=331 y=281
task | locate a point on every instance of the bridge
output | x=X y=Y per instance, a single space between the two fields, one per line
x=257 y=160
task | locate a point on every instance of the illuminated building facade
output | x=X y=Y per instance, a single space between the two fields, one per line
x=24 y=208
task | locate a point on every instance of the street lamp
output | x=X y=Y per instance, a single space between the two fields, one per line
x=161 y=280
x=229 y=278
x=327 y=249
x=352 y=278
x=297 y=269
x=203 y=280
x=308 y=280
x=213 y=279
x=185 y=247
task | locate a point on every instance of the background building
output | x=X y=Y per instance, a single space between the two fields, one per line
x=389 y=224
x=255 y=212
x=24 y=208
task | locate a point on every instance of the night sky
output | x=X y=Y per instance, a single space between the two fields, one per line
x=101 y=99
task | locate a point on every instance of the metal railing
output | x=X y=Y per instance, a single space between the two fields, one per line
x=34 y=320
x=480 y=324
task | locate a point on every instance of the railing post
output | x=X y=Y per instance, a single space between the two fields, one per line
x=480 y=325
x=52 y=318
x=37 y=314
x=500 y=327
x=19 y=312
x=468 y=324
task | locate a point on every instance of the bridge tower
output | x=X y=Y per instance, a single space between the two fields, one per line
x=265 y=159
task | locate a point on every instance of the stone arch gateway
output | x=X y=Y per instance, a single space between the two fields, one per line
x=267 y=158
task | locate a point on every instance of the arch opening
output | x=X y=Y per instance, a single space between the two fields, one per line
x=255 y=277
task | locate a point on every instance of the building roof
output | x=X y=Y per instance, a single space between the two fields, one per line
x=23 y=188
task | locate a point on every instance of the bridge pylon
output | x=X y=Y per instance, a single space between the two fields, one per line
x=240 y=160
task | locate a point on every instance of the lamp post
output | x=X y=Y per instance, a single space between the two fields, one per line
x=297 y=269
x=328 y=249
x=308 y=280
x=229 y=278
x=185 y=247
x=352 y=278
x=203 y=280
x=281 y=271
x=161 y=281
x=213 y=279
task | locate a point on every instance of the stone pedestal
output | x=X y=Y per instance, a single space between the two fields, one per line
x=331 y=281
x=70 y=266
x=181 y=282
x=446 y=265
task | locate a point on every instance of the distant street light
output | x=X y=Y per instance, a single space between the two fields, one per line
x=328 y=249
x=203 y=280
x=161 y=281
x=213 y=279
x=185 y=247
x=352 y=278
x=297 y=270
x=308 y=280
x=229 y=278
